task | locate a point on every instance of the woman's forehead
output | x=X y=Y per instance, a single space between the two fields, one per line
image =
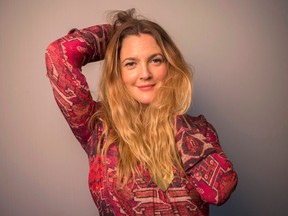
x=138 y=46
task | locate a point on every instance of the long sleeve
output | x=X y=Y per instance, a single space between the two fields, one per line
x=64 y=60
x=205 y=163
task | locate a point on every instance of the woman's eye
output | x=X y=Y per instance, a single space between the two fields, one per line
x=130 y=64
x=156 y=60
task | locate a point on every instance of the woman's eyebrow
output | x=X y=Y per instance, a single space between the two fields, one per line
x=154 y=55
x=129 y=59
x=136 y=59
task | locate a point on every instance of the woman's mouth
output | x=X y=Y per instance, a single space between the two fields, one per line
x=146 y=87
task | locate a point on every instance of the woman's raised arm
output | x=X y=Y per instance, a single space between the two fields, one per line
x=64 y=60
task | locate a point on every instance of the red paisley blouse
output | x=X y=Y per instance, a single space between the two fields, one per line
x=209 y=179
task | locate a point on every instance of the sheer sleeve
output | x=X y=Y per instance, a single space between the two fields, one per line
x=205 y=163
x=64 y=60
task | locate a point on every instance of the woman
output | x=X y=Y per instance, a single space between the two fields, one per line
x=146 y=156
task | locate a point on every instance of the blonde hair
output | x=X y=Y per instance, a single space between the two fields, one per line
x=145 y=137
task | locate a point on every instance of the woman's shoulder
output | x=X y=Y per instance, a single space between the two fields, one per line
x=196 y=125
x=191 y=122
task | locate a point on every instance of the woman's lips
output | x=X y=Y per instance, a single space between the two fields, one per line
x=146 y=87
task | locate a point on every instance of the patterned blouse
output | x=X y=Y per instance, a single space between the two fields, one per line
x=209 y=179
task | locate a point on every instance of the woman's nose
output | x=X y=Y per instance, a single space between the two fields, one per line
x=145 y=73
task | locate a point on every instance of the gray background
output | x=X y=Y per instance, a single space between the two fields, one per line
x=239 y=52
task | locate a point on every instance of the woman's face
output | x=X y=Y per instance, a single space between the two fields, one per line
x=143 y=67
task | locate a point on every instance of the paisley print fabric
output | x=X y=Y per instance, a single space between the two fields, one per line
x=209 y=177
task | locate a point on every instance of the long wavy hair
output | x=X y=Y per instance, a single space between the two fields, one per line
x=145 y=136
